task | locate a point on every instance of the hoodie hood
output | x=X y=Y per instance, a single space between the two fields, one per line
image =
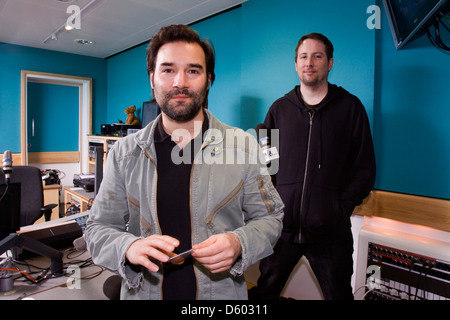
x=334 y=92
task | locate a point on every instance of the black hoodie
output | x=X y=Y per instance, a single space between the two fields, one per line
x=326 y=165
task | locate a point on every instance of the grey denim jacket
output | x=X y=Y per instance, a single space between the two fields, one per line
x=230 y=191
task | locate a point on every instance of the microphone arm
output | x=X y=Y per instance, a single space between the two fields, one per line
x=20 y=241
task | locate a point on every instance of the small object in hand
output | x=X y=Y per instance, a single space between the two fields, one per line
x=179 y=258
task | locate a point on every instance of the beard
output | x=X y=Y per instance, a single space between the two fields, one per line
x=313 y=81
x=181 y=111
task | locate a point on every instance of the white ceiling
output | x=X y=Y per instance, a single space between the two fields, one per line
x=114 y=25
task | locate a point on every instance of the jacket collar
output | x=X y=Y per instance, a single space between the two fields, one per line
x=333 y=92
x=144 y=138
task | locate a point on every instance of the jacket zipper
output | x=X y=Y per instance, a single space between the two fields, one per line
x=156 y=214
x=190 y=213
x=311 y=117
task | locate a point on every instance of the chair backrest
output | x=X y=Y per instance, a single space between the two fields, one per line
x=32 y=192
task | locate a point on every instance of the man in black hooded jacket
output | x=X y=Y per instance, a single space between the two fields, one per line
x=326 y=168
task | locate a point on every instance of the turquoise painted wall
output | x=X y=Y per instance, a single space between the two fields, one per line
x=271 y=32
x=412 y=131
x=47 y=105
x=404 y=91
x=225 y=32
x=128 y=83
x=14 y=58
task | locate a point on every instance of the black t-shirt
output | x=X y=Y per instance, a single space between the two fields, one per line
x=173 y=209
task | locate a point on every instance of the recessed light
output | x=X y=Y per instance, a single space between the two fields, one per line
x=84 y=41
x=65 y=1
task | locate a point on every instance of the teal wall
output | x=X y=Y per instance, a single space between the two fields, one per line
x=405 y=92
x=272 y=32
x=128 y=83
x=412 y=120
x=14 y=58
x=47 y=105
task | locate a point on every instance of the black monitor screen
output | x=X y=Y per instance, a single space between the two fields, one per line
x=9 y=209
x=408 y=18
x=150 y=110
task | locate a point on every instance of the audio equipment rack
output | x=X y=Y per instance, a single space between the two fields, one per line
x=406 y=275
x=393 y=265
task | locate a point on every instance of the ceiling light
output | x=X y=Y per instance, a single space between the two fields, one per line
x=84 y=41
x=65 y=25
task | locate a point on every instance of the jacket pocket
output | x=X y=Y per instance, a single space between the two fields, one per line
x=323 y=210
x=290 y=195
x=227 y=215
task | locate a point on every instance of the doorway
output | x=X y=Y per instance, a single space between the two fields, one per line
x=84 y=124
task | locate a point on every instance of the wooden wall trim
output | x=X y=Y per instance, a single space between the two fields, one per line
x=424 y=211
x=17 y=159
x=54 y=157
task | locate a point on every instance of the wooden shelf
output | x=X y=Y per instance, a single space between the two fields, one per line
x=78 y=195
x=99 y=140
x=419 y=210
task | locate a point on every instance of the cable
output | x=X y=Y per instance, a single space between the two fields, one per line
x=21 y=272
x=437 y=40
x=6 y=190
x=43 y=273
x=40 y=272
x=427 y=268
x=369 y=291
x=361 y=287
x=442 y=22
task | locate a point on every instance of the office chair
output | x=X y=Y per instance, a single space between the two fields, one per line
x=32 y=194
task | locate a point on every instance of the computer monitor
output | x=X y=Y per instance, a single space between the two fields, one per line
x=9 y=209
x=150 y=110
x=409 y=19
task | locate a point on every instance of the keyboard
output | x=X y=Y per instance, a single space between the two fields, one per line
x=80 y=218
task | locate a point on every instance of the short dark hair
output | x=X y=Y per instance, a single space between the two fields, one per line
x=317 y=36
x=183 y=33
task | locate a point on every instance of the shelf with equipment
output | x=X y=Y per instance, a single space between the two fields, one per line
x=106 y=142
x=77 y=197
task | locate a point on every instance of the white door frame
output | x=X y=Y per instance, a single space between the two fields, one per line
x=85 y=109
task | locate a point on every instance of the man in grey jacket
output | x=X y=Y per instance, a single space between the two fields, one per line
x=186 y=181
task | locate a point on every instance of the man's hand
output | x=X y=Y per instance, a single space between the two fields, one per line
x=156 y=247
x=219 y=252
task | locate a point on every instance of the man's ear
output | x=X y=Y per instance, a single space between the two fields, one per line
x=151 y=78
x=330 y=64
